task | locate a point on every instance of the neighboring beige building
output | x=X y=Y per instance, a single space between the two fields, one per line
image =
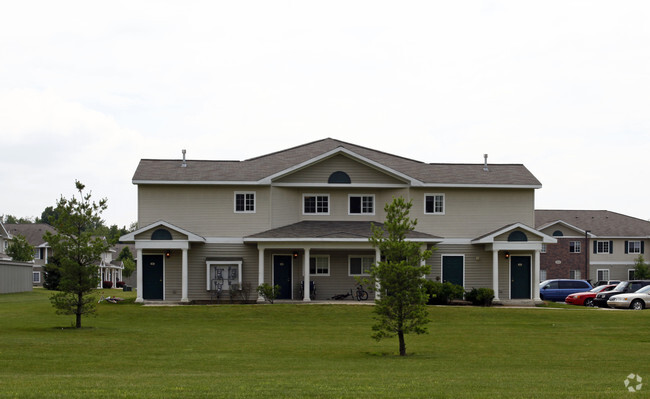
x=34 y=232
x=304 y=214
x=594 y=245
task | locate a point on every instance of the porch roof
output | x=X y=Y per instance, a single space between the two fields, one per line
x=315 y=230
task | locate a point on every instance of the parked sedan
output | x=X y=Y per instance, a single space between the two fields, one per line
x=623 y=287
x=587 y=298
x=635 y=300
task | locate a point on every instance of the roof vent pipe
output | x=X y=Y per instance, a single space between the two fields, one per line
x=184 y=164
x=485 y=167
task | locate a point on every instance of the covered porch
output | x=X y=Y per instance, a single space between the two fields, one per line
x=327 y=256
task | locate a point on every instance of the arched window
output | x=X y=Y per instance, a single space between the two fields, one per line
x=339 y=178
x=558 y=233
x=161 y=234
x=517 y=236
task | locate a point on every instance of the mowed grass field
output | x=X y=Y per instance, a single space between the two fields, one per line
x=319 y=351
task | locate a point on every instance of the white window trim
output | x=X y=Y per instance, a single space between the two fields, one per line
x=350 y=257
x=36 y=280
x=598 y=251
x=244 y=193
x=602 y=270
x=210 y=263
x=576 y=244
x=444 y=204
x=37 y=253
x=316 y=213
x=628 y=273
x=329 y=265
x=637 y=250
x=543 y=250
x=361 y=196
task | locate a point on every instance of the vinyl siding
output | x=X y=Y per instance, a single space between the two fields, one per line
x=478 y=264
x=469 y=213
x=204 y=210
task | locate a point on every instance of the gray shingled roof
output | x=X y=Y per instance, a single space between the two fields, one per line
x=255 y=169
x=600 y=223
x=33 y=232
x=321 y=229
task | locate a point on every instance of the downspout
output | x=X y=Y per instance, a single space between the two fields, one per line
x=587 y=255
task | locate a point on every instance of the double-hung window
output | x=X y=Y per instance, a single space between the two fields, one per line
x=602 y=274
x=574 y=247
x=319 y=265
x=316 y=204
x=434 y=204
x=361 y=204
x=633 y=247
x=245 y=202
x=603 y=247
x=360 y=265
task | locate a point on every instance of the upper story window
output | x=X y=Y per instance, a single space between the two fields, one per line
x=434 y=204
x=319 y=265
x=543 y=250
x=634 y=247
x=558 y=233
x=316 y=204
x=245 y=202
x=517 y=236
x=37 y=253
x=360 y=265
x=574 y=247
x=603 y=247
x=361 y=204
x=161 y=234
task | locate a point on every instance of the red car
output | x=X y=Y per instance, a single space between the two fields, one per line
x=587 y=298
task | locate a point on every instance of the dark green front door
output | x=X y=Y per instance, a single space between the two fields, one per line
x=520 y=277
x=452 y=269
x=152 y=277
x=282 y=275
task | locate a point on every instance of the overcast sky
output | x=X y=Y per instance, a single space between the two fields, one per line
x=89 y=88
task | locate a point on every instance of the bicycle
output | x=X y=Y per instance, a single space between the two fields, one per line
x=361 y=294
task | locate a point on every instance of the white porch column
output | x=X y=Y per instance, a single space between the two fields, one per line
x=260 y=276
x=184 y=277
x=377 y=260
x=306 y=290
x=536 y=277
x=138 y=271
x=495 y=273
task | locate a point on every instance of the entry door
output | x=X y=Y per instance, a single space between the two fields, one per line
x=452 y=269
x=520 y=277
x=152 y=277
x=282 y=275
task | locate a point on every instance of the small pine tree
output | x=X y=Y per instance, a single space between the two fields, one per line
x=401 y=307
x=78 y=253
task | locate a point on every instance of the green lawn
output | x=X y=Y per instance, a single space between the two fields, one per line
x=251 y=351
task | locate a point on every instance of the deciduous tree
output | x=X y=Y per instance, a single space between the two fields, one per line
x=20 y=250
x=78 y=253
x=401 y=307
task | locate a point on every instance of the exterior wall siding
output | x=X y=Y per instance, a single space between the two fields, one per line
x=15 y=277
x=204 y=210
x=470 y=213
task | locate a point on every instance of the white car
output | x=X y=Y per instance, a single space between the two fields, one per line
x=634 y=300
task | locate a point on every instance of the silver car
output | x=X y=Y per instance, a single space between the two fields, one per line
x=634 y=300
